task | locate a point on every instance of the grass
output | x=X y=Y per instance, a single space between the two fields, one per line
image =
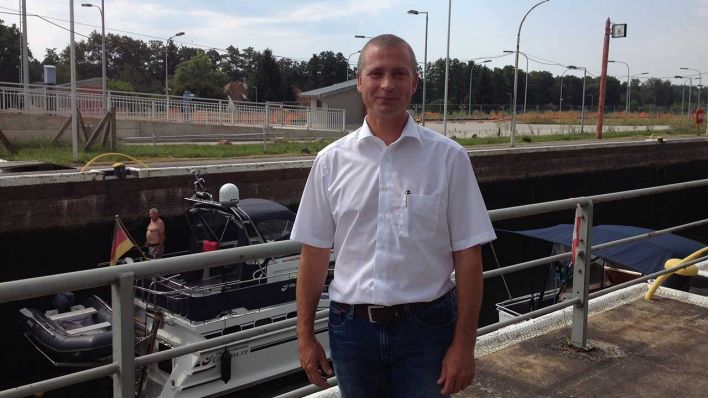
x=61 y=153
x=43 y=150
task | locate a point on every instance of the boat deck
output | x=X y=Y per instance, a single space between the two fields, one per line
x=641 y=349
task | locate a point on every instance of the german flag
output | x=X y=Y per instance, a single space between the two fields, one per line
x=122 y=242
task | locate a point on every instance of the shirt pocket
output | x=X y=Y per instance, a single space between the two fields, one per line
x=423 y=215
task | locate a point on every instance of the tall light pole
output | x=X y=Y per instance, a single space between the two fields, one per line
x=526 y=85
x=700 y=83
x=350 y=55
x=683 y=91
x=582 y=106
x=560 y=101
x=447 y=66
x=425 y=59
x=629 y=100
x=72 y=68
x=167 y=87
x=469 y=110
x=516 y=74
x=626 y=98
x=103 y=53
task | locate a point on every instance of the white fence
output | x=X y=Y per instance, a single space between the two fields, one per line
x=53 y=100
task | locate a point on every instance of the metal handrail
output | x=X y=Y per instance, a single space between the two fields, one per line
x=119 y=276
x=56 y=100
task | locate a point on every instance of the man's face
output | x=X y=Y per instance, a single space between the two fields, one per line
x=386 y=81
x=153 y=215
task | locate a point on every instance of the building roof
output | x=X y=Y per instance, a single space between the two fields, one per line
x=337 y=88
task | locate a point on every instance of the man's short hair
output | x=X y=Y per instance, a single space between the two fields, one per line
x=388 y=41
x=153 y=209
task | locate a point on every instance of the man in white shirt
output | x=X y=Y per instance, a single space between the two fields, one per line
x=401 y=207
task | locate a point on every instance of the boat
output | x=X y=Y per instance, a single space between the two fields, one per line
x=70 y=335
x=175 y=310
x=609 y=266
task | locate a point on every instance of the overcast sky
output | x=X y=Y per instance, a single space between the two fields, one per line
x=662 y=35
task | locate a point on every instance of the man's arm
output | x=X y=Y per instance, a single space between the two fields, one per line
x=311 y=275
x=458 y=366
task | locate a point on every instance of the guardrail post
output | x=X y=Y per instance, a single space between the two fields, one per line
x=581 y=272
x=123 y=336
x=309 y=118
x=344 y=120
x=266 y=123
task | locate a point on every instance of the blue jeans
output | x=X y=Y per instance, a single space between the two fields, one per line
x=399 y=359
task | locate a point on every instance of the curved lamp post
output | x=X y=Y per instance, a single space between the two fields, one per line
x=350 y=55
x=582 y=106
x=630 y=84
x=167 y=88
x=425 y=59
x=516 y=74
x=700 y=82
x=103 y=53
x=526 y=85
x=469 y=110
x=626 y=98
x=560 y=101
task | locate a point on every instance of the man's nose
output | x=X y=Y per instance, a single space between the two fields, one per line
x=388 y=83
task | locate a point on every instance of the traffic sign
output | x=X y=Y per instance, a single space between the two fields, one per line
x=619 y=30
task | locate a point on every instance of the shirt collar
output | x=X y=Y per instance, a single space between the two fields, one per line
x=410 y=130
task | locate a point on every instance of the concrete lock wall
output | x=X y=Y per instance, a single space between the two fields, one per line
x=74 y=200
x=25 y=127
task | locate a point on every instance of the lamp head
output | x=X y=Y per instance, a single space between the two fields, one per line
x=508 y=52
x=86 y=5
x=179 y=34
x=683 y=68
x=413 y=12
x=486 y=60
x=359 y=37
x=572 y=67
x=678 y=77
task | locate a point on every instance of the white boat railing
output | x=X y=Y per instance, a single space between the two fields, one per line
x=56 y=100
x=121 y=279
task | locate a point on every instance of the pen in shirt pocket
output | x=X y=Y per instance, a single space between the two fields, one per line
x=405 y=197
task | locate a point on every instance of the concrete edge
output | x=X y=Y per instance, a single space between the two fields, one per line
x=97 y=175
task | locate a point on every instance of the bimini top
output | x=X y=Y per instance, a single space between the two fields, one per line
x=646 y=256
x=262 y=209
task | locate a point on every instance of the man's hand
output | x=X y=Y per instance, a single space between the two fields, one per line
x=458 y=369
x=314 y=361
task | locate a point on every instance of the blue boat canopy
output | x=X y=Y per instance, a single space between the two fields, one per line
x=646 y=256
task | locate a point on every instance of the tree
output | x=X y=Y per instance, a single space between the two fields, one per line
x=51 y=57
x=9 y=53
x=199 y=76
x=266 y=79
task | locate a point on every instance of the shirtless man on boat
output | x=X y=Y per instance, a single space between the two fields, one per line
x=155 y=235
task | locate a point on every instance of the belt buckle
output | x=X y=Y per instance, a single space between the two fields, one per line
x=368 y=310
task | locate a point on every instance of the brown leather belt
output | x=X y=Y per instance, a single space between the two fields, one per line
x=385 y=314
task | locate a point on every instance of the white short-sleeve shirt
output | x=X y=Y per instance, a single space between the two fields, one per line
x=394 y=214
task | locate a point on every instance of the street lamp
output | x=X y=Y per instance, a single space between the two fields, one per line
x=700 y=82
x=630 y=84
x=469 y=110
x=167 y=88
x=582 y=106
x=350 y=55
x=516 y=73
x=362 y=37
x=526 y=85
x=683 y=91
x=626 y=98
x=103 y=53
x=560 y=101
x=425 y=59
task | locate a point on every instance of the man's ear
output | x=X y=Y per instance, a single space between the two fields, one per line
x=358 y=81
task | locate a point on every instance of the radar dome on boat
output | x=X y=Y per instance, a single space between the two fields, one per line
x=228 y=195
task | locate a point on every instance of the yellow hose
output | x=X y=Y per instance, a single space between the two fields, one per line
x=691 y=270
x=90 y=162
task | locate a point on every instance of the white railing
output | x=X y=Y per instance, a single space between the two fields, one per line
x=121 y=280
x=53 y=100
